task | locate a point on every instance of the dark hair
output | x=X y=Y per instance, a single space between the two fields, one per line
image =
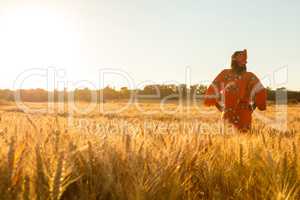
x=234 y=65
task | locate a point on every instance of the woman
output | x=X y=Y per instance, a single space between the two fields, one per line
x=236 y=93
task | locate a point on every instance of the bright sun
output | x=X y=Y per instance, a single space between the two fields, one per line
x=35 y=36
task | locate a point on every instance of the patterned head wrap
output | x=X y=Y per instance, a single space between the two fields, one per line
x=234 y=64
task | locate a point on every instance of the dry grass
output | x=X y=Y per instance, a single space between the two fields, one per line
x=116 y=157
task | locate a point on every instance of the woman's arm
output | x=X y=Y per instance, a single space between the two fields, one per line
x=213 y=92
x=258 y=93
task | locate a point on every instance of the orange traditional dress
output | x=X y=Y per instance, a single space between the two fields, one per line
x=236 y=96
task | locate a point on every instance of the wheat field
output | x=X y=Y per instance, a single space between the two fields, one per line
x=139 y=155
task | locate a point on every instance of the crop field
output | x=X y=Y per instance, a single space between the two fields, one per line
x=145 y=152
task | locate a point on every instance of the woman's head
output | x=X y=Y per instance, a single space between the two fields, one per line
x=239 y=61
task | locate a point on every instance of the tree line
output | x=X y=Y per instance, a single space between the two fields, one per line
x=110 y=93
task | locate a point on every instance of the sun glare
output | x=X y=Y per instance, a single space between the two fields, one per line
x=32 y=36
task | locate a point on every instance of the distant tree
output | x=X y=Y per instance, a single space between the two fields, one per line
x=125 y=93
x=110 y=93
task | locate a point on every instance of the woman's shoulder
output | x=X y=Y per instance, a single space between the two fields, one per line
x=251 y=75
x=226 y=71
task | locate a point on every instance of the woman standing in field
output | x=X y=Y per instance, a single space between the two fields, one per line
x=236 y=93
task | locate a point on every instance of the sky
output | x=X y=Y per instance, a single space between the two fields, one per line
x=136 y=42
